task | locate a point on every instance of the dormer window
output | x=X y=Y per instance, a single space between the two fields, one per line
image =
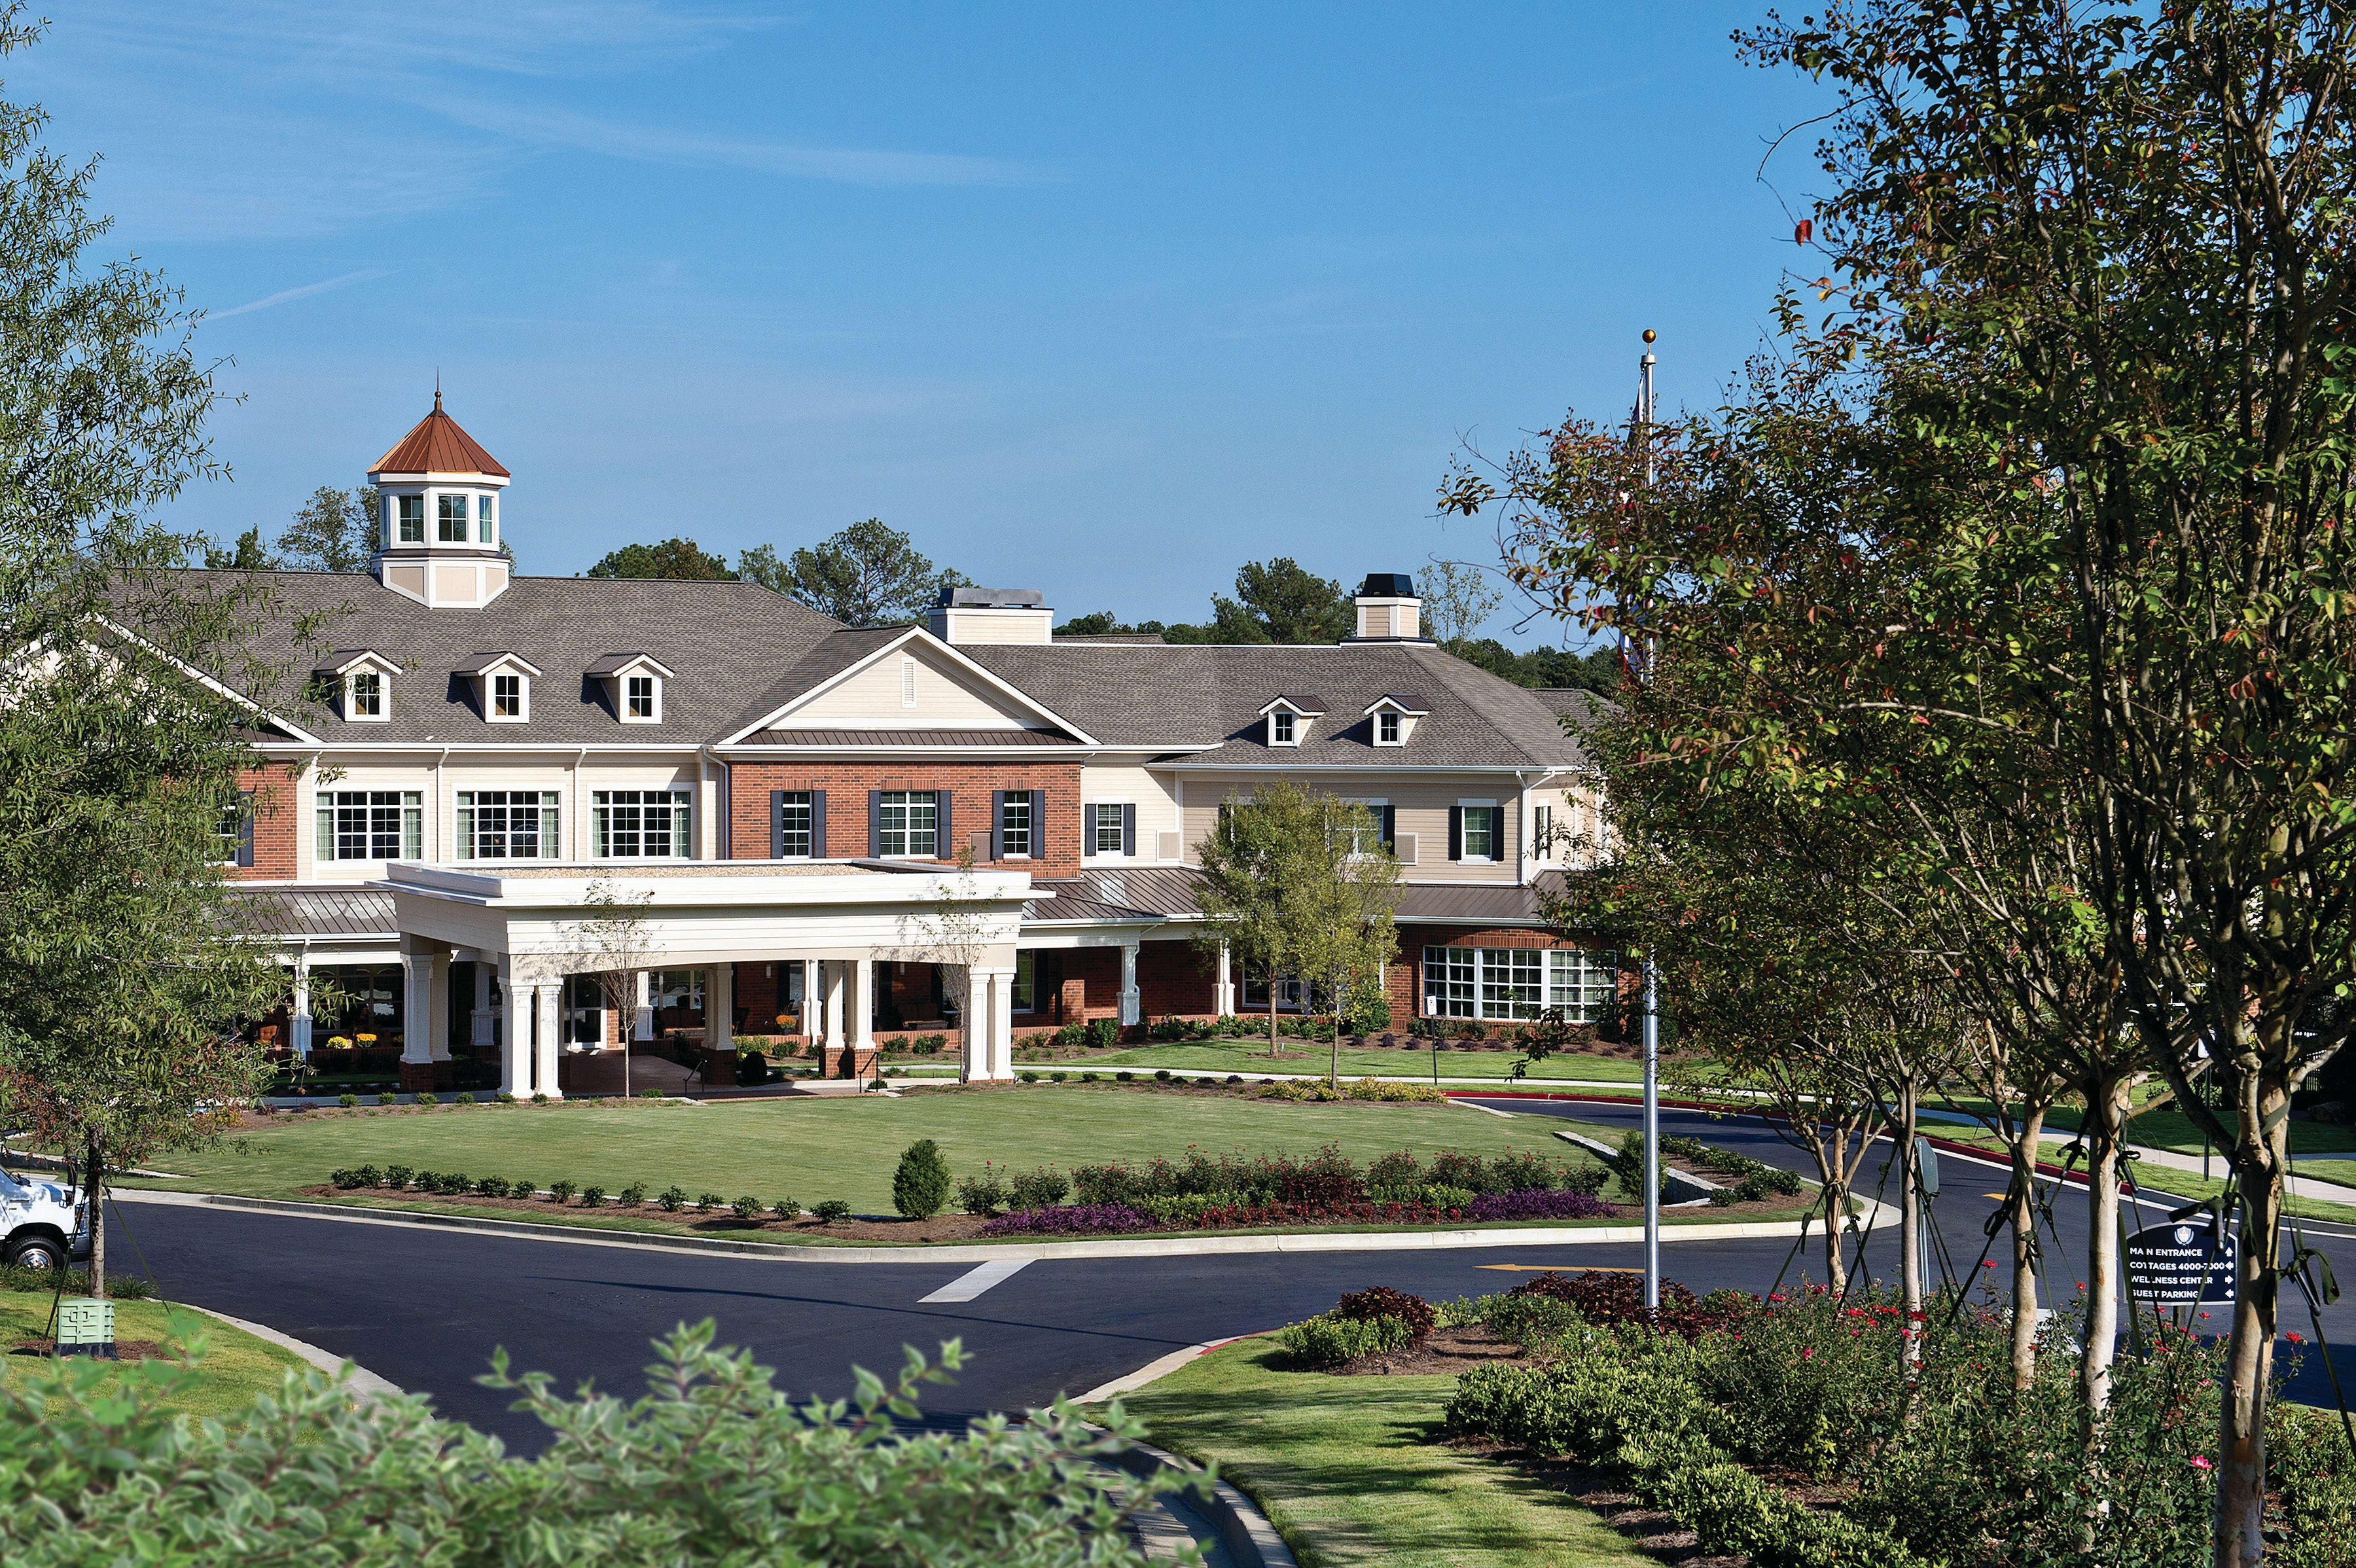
x=507 y=697
x=503 y=683
x=1386 y=728
x=360 y=680
x=1393 y=716
x=364 y=696
x=1289 y=718
x=1280 y=729
x=634 y=685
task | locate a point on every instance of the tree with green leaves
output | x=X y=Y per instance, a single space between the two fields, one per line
x=1247 y=861
x=335 y=531
x=1281 y=601
x=126 y=966
x=680 y=559
x=1343 y=901
x=868 y=575
x=1457 y=602
x=248 y=554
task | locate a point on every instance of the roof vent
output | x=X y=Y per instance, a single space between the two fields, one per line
x=1389 y=610
x=993 y=615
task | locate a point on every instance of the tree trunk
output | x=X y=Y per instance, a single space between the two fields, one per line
x=1910 y=1235
x=1272 y=1014
x=1835 y=1195
x=2105 y=1127
x=2242 y=1416
x=2022 y=1215
x=94 y=1184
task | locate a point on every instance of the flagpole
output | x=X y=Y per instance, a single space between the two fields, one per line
x=1652 y=976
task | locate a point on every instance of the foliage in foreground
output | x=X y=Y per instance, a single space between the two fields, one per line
x=1953 y=1466
x=713 y=1465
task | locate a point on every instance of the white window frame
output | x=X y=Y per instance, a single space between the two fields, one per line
x=1017 y=798
x=655 y=691
x=382 y=690
x=491 y=697
x=1292 y=725
x=486 y=522
x=1097 y=829
x=799 y=800
x=1464 y=836
x=1393 y=721
x=408 y=822
x=467 y=815
x=1505 y=985
x=399 y=522
x=910 y=802
x=603 y=806
x=443 y=501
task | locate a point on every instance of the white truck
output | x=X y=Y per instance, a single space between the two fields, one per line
x=42 y=1224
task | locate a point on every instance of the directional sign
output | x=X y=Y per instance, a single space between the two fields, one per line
x=2179 y=1266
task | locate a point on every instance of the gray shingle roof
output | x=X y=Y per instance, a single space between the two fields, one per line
x=1141 y=694
x=721 y=638
x=909 y=737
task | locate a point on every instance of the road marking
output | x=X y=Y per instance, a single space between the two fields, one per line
x=1553 y=1268
x=975 y=1280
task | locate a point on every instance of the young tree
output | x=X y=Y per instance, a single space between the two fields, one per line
x=1457 y=602
x=611 y=945
x=675 y=558
x=868 y=575
x=1343 y=899
x=1249 y=862
x=956 y=934
x=335 y=531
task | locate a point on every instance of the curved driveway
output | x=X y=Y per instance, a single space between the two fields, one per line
x=425 y=1307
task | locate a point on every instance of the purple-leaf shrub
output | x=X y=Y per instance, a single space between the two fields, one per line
x=1068 y=1219
x=1537 y=1203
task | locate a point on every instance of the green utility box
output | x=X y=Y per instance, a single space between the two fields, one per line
x=86 y=1327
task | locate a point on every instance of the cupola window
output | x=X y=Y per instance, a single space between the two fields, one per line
x=412 y=518
x=454 y=519
x=483 y=532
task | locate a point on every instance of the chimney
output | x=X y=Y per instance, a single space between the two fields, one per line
x=1389 y=610
x=993 y=615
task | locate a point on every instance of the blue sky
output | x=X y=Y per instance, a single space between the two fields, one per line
x=1100 y=299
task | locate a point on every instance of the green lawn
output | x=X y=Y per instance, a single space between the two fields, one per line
x=236 y=1366
x=820 y=1148
x=1250 y=1059
x=1345 y=1468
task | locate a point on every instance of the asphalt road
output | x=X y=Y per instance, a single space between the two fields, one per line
x=425 y=1308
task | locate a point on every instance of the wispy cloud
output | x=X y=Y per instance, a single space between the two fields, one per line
x=366 y=275
x=646 y=144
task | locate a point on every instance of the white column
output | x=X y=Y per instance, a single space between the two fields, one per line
x=863 y=1005
x=1129 y=1002
x=1222 y=992
x=481 y=1017
x=298 y=1016
x=416 y=1006
x=437 y=1016
x=643 y=1027
x=719 y=1008
x=515 y=1031
x=832 y=969
x=1002 y=1023
x=973 y=1014
x=547 y=1017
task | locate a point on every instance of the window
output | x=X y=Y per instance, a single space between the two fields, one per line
x=1289 y=993
x=235 y=832
x=452 y=512
x=412 y=518
x=1516 y=983
x=1480 y=832
x=1386 y=728
x=1026 y=983
x=507 y=696
x=676 y=988
x=1105 y=829
x=508 y=824
x=639 y=699
x=371 y=824
x=585 y=1012
x=366 y=699
x=642 y=824
x=909 y=823
x=482 y=520
x=1542 y=832
x=1014 y=825
x=1280 y=728
x=794 y=825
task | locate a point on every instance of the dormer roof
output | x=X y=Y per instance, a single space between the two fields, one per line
x=437 y=445
x=621 y=663
x=343 y=661
x=1407 y=703
x=484 y=663
x=1301 y=704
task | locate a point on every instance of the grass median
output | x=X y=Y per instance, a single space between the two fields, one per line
x=1347 y=1468
x=234 y=1370
x=1249 y=1059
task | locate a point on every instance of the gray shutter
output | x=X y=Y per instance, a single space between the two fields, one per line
x=943 y=845
x=818 y=825
x=874 y=823
x=777 y=824
x=1390 y=828
x=1497 y=834
x=1038 y=824
x=1127 y=827
x=1456 y=832
x=245 y=828
x=998 y=824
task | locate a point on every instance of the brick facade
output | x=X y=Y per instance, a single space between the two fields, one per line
x=1404 y=984
x=971 y=783
x=1175 y=977
x=276 y=819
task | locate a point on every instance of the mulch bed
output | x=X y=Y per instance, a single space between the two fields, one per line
x=940 y=1228
x=124 y=1349
x=1443 y=1351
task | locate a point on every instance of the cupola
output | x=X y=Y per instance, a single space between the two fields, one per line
x=440 y=518
x=1389 y=610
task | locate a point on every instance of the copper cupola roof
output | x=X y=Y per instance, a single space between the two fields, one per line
x=436 y=445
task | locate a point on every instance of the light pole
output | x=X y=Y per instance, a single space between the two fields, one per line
x=1651 y=977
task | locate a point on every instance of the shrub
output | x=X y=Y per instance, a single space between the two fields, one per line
x=705 y=1202
x=1104 y=1034
x=427 y=1097
x=1522 y=1172
x=593 y=1196
x=347 y=1100
x=463 y=1099
x=1330 y=1340
x=634 y=1195
x=1536 y=1203
x=1113 y=1183
x=1027 y=1076
x=454 y=1184
x=522 y=1189
x=1162 y=1075
x=1078 y=1219
x=1450 y=1168
x=785 y=1208
x=562 y=1190
x=833 y=1212
x=650 y=1094
x=384 y=1099
x=1400 y=1169
x=1529 y=1320
x=1586 y=1177
x=397 y=1176
x=747 y=1207
x=1041 y=1189
x=920 y=1188
x=672 y=1201
x=538 y=1098
x=1057 y=1076
x=1382 y=1301
x=505 y=1099
x=345 y=1178
x=984 y=1194
x=492 y=1187
x=1087 y=1078
x=1125 y=1075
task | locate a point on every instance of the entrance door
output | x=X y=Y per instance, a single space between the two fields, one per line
x=585 y=1012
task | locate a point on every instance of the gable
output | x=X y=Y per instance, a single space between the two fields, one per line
x=877 y=696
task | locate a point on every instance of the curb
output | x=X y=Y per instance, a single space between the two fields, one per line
x=786 y=1252
x=1153 y=1371
x=1248 y=1536
x=359 y=1378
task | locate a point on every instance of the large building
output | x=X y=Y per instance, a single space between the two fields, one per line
x=768 y=807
